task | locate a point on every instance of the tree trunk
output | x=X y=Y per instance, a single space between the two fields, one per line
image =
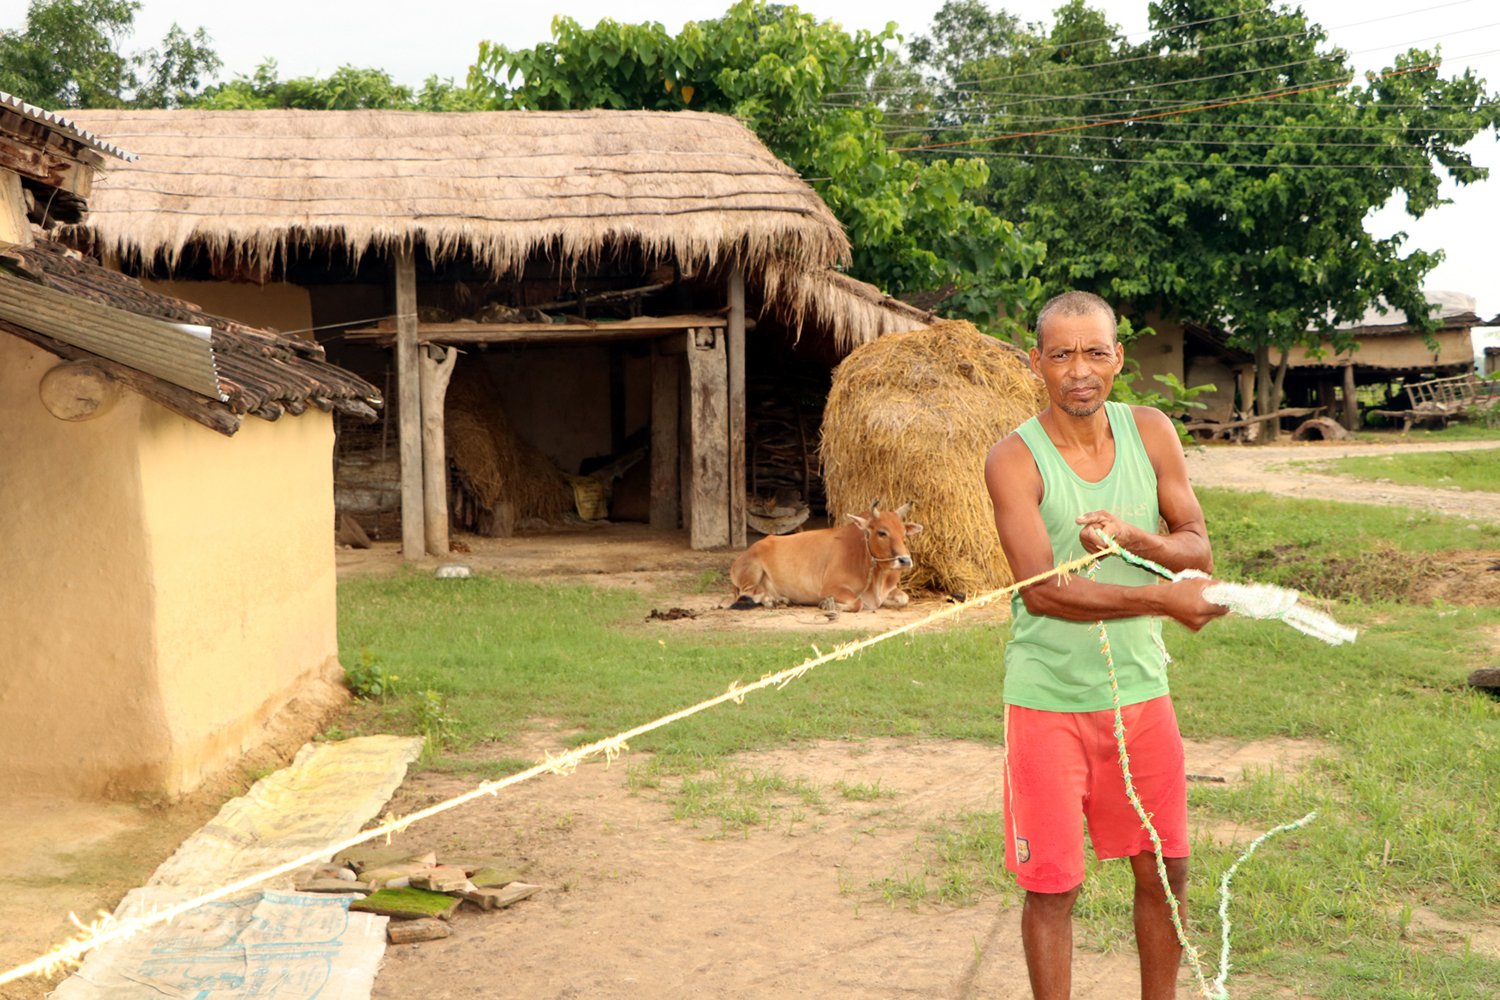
x=1263 y=392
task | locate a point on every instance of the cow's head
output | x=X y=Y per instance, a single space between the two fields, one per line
x=886 y=534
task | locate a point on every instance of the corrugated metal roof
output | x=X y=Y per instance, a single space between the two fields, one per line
x=63 y=126
x=1448 y=308
x=179 y=353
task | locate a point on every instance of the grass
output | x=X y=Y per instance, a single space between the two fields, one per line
x=1407 y=791
x=1463 y=470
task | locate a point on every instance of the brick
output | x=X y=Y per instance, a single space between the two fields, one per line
x=499 y=898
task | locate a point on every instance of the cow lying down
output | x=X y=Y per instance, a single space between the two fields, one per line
x=856 y=567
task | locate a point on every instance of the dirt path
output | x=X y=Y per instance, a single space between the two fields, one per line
x=1271 y=470
x=641 y=905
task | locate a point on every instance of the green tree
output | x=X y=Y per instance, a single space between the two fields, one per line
x=69 y=55
x=348 y=88
x=1247 y=213
x=798 y=83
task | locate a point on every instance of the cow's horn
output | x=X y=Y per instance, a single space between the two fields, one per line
x=874 y=508
x=903 y=510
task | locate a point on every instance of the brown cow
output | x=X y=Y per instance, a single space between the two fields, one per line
x=852 y=568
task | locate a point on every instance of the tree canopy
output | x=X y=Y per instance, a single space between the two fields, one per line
x=69 y=56
x=916 y=226
x=1221 y=169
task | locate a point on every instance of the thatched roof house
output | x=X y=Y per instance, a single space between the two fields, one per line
x=557 y=224
x=698 y=189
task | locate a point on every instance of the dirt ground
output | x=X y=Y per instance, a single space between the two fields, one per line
x=638 y=904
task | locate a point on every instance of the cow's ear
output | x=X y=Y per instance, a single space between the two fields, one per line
x=864 y=523
x=913 y=529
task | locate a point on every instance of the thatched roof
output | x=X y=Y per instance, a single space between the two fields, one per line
x=252 y=371
x=855 y=311
x=502 y=185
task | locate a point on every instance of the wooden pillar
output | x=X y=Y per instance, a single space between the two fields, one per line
x=1351 y=401
x=708 y=439
x=436 y=365
x=736 y=371
x=666 y=374
x=409 y=406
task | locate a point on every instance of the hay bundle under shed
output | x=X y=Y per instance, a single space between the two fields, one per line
x=495 y=466
x=910 y=418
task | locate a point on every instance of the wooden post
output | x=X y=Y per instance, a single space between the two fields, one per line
x=409 y=406
x=436 y=370
x=666 y=373
x=736 y=370
x=1351 y=401
x=708 y=440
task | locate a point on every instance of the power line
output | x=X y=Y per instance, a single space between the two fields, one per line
x=960 y=86
x=1168 y=114
x=1106 y=160
x=1024 y=98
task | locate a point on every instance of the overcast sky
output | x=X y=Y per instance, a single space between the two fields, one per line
x=314 y=37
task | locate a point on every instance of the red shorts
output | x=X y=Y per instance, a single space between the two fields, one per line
x=1062 y=770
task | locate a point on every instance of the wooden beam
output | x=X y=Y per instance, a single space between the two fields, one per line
x=666 y=376
x=636 y=328
x=409 y=406
x=436 y=371
x=48 y=166
x=736 y=372
x=708 y=440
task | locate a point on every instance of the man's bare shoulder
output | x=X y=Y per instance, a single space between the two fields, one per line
x=1010 y=466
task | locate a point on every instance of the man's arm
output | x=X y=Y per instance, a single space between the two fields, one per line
x=1015 y=488
x=1185 y=545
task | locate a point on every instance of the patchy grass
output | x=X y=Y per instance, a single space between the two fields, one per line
x=1459 y=470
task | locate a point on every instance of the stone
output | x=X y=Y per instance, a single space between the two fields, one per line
x=395 y=876
x=499 y=898
x=412 y=931
x=442 y=878
x=491 y=877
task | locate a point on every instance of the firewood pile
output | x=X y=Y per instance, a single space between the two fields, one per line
x=782 y=427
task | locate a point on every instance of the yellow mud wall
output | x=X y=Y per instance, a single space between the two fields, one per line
x=240 y=533
x=1396 y=350
x=278 y=305
x=1159 y=353
x=80 y=711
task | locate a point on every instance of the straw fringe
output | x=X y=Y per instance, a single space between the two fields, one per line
x=248 y=186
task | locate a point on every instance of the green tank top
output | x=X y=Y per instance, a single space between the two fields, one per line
x=1054 y=664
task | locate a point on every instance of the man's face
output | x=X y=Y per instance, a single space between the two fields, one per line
x=1078 y=358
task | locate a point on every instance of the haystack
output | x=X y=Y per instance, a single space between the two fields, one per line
x=910 y=418
x=493 y=462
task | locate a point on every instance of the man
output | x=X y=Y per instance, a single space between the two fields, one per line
x=1081 y=471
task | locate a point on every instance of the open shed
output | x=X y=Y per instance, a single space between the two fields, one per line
x=166 y=482
x=597 y=271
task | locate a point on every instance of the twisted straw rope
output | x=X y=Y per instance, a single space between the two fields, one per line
x=109 y=929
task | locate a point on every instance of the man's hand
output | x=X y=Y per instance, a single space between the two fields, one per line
x=1183 y=600
x=1097 y=525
